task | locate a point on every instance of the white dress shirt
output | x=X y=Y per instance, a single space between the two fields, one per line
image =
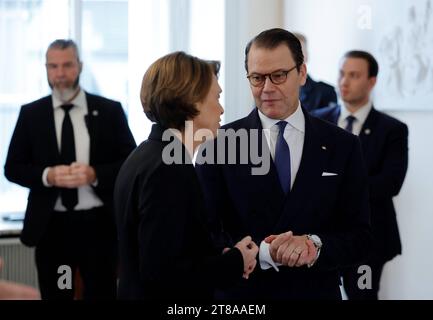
x=87 y=198
x=294 y=134
x=360 y=115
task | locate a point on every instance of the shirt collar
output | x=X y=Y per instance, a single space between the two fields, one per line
x=296 y=120
x=78 y=101
x=361 y=114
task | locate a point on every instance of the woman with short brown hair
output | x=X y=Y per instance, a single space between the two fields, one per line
x=166 y=251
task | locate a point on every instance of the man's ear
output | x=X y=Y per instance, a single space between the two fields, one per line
x=372 y=82
x=303 y=73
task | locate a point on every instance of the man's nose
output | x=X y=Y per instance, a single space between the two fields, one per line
x=268 y=85
x=343 y=81
x=60 y=72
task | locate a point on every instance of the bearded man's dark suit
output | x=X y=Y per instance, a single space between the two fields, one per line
x=33 y=148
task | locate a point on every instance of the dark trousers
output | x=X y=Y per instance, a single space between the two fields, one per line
x=351 y=277
x=83 y=240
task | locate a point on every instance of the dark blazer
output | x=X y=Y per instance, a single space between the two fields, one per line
x=317 y=94
x=34 y=147
x=333 y=207
x=165 y=247
x=384 y=141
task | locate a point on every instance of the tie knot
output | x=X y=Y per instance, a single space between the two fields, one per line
x=67 y=107
x=281 y=125
x=350 y=119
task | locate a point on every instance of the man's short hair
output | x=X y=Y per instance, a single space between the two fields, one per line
x=173 y=85
x=272 y=38
x=373 y=66
x=63 y=44
x=301 y=37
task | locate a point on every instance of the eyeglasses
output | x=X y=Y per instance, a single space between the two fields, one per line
x=277 y=77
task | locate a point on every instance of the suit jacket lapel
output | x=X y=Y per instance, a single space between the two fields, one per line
x=53 y=146
x=367 y=131
x=313 y=159
x=271 y=178
x=92 y=124
x=267 y=184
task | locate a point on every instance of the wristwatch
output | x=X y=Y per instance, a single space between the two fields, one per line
x=317 y=243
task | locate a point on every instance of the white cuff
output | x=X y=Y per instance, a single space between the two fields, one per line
x=45 y=177
x=265 y=258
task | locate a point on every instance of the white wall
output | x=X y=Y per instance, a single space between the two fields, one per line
x=244 y=20
x=410 y=275
x=333 y=27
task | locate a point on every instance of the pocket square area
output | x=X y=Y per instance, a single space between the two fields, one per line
x=329 y=174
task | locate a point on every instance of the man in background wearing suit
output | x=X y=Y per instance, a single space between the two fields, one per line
x=309 y=212
x=384 y=142
x=314 y=94
x=67 y=148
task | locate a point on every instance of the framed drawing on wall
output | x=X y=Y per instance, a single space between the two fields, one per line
x=404 y=49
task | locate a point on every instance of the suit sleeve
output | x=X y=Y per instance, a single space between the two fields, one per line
x=349 y=240
x=387 y=182
x=330 y=97
x=122 y=145
x=19 y=166
x=166 y=215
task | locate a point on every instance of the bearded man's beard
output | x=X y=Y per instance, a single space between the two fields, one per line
x=66 y=94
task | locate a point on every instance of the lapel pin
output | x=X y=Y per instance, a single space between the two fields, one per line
x=95 y=113
x=324 y=147
x=367 y=131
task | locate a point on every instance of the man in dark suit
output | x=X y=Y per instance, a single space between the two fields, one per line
x=307 y=206
x=67 y=148
x=317 y=94
x=314 y=94
x=384 y=144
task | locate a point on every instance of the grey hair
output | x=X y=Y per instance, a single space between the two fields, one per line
x=63 y=44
